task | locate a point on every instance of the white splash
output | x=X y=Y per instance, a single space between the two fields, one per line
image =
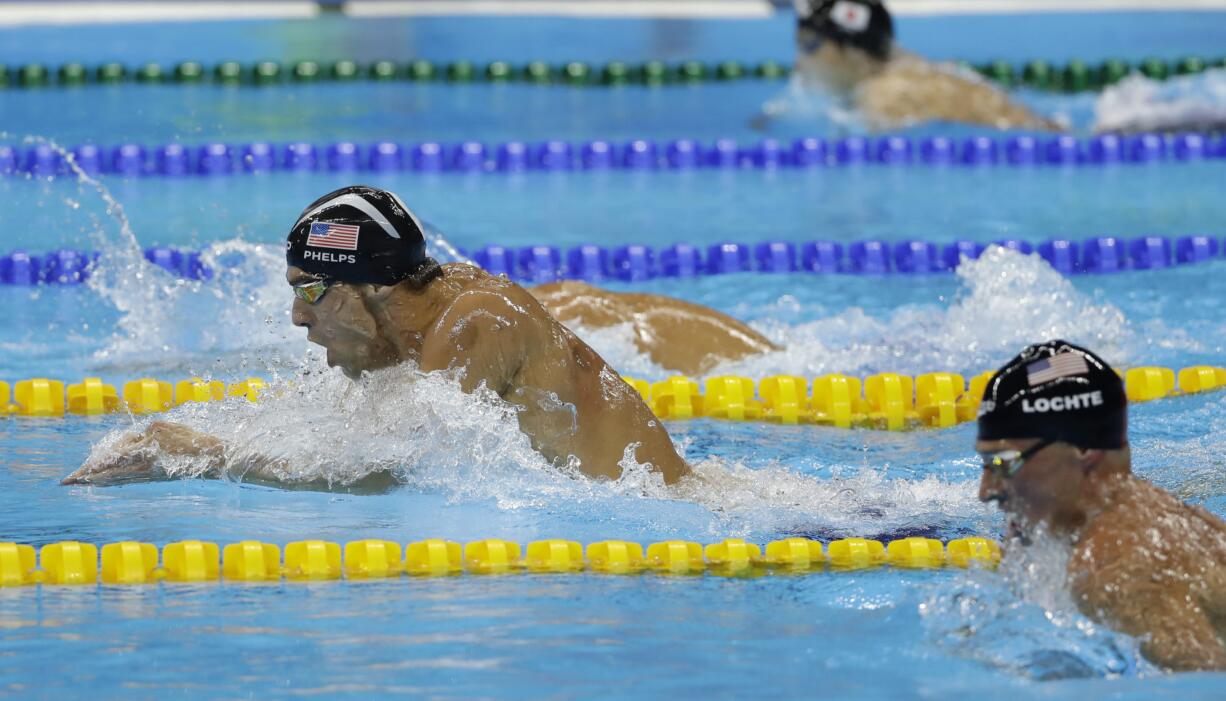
x=1136 y=104
x=1022 y=620
x=1007 y=300
x=864 y=501
x=243 y=310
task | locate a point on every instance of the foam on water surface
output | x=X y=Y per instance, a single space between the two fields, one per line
x=1139 y=104
x=1021 y=620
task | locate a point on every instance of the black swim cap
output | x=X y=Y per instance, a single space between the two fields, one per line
x=864 y=24
x=1057 y=391
x=361 y=234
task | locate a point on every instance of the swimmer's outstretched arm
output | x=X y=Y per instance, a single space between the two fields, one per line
x=134 y=457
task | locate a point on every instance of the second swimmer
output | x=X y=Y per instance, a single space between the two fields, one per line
x=847 y=47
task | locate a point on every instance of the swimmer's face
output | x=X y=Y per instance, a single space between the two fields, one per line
x=807 y=40
x=341 y=322
x=1046 y=489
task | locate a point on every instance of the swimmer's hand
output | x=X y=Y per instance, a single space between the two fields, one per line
x=133 y=458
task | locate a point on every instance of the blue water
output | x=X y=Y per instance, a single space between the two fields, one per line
x=464 y=470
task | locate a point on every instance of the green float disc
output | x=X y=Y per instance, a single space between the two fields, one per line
x=421 y=70
x=1037 y=74
x=499 y=72
x=1155 y=68
x=771 y=70
x=460 y=72
x=111 y=73
x=266 y=73
x=32 y=75
x=1189 y=65
x=344 y=70
x=1077 y=77
x=729 y=70
x=4 y=75
x=1113 y=71
x=150 y=73
x=72 y=74
x=228 y=73
x=384 y=70
x=654 y=73
x=305 y=71
x=691 y=72
x=615 y=73
x=538 y=72
x=189 y=72
x=1001 y=72
x=576 y=73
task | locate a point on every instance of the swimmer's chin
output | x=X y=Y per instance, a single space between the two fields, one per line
x=346 y=368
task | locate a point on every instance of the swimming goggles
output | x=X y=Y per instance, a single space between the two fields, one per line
x=810 y=40
x=313 y=290
x=1008 y=463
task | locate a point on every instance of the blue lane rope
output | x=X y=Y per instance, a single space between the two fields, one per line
x=216 y=159
x=631 y=263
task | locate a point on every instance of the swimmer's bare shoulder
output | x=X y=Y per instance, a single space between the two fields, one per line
x=484 y=332
x=500 y=335
x=1132 y=568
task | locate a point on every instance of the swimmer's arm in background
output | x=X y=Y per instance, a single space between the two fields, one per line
x=769 y=114
x=919 y=92
x=481 y=334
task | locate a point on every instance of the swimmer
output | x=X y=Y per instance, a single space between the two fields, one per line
x=1053 y=436
x=366 y=291
x=676 y=335
x=847 y=47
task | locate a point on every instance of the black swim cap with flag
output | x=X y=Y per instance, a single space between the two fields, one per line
x=361 y=234
x=1057 y=391
x=864 y=24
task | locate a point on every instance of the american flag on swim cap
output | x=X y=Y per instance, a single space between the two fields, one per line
x=851 y=16
x=333 y=235
x=1055 y=367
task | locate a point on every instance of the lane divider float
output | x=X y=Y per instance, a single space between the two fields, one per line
x=271 y=73
x=888 y=401
x=633 y=263
x=215 y=159
x=42 y=397
x=1073 y=76
x=130 y=562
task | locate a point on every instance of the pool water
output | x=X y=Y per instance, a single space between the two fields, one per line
x=463 y=470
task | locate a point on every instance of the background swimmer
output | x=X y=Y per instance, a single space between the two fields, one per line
x=1053 y=436
x=679 y=336
x=368 y=294
x=847 y=47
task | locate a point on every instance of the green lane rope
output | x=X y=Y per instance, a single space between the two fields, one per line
x=1074 y=76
